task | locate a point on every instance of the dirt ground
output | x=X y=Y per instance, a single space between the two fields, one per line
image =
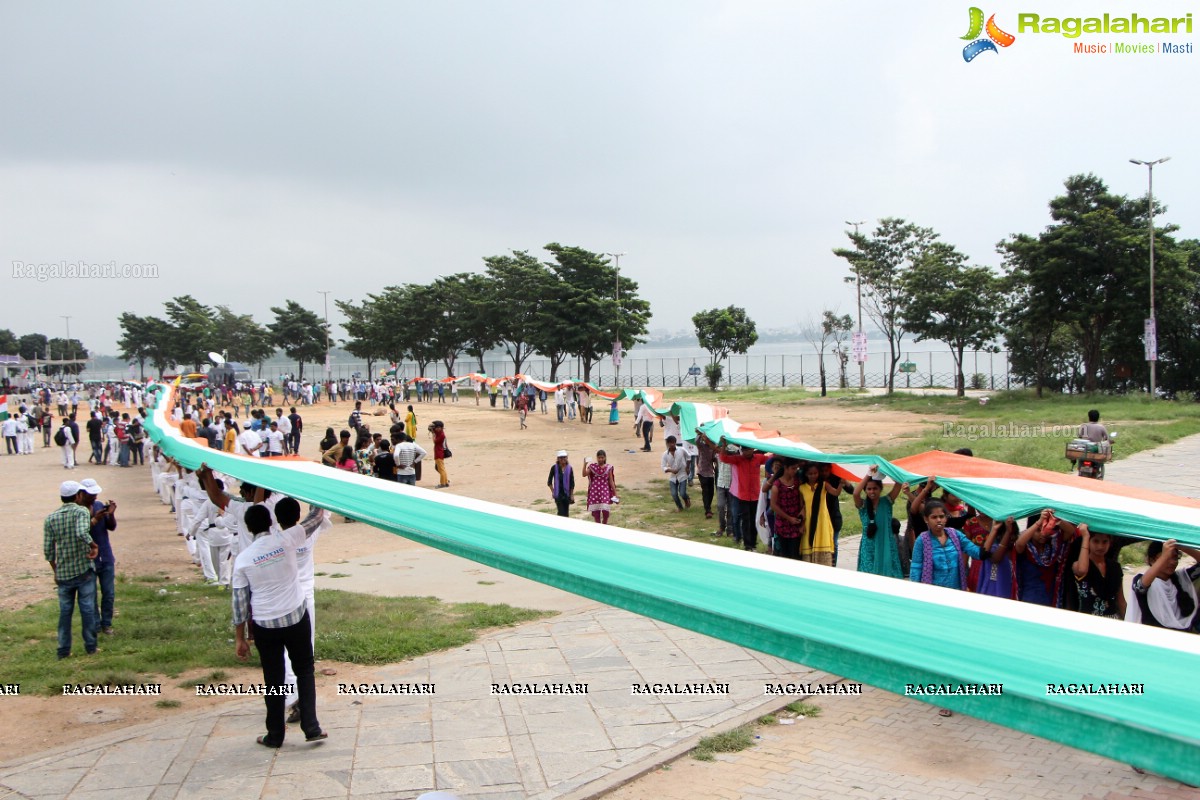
x=493 y=460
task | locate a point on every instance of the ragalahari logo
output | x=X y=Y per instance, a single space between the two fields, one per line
x=995 y=36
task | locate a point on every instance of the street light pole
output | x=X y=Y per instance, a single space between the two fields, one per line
x=862 y=365
x=68 y=342
x=325 y=295
x=616 y=257
x=1152 y=324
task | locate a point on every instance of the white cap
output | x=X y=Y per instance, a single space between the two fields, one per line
x=90 y=486
x=561 y=454
x=69 y=489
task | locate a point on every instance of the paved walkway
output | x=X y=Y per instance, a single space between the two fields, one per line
x=479 y=745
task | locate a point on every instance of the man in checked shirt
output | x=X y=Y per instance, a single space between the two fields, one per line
x=68 y=546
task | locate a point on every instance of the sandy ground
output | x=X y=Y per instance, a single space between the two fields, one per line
x=493 y=460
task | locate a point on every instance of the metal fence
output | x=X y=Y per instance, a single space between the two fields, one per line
x=930 y=369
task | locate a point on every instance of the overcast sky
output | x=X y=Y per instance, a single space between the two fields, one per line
x=256 y=152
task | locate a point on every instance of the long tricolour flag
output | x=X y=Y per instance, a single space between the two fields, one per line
x=3 y=407
x=886 y=632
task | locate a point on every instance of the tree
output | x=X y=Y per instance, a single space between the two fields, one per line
x=599 y=305
x=66 y=349
x=33 y=345
x=479 y=315
x=192 y=331
x=722 y=331
x=879 y=261
x=142 y=340
x=8 y=342
x=368 y=337
x=519 y=281
x=831 y=329
x=242 y=339
x=299 y=332
x=951 y=302
x=1089 y=270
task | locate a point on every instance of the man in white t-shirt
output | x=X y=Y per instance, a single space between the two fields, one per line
x=267 y=596
x=275 y=441
x=285 y=427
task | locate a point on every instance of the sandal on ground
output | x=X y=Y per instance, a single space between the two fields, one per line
x=293 y=713
x=265 y=741
x=316 y=737
x=945 y=712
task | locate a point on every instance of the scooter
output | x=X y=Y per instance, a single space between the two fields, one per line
x=1088 y=458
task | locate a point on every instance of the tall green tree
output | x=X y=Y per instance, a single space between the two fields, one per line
x=520 y=282
x=480 y=314
x=879 y=261
x=367 y=333
x=8 y=342
x=722 y=331
x=143 y=339
x=951 y=302
x=598 y=305
x=299 y=332
x=1090 y=268
x=241 y=338
x=33 y=345
x=192 y=331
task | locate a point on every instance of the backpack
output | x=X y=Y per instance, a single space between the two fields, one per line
x=60 y=438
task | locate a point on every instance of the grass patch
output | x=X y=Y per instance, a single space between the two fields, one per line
x=733 y=741
x=769 y=719
x=1019 y=428
x=804 y=709
x=363 y=629
x=339 y=575
x=187 y=627
x=486 y=583
x=168 y=704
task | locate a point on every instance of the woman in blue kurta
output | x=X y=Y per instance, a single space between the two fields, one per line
x=940 y=554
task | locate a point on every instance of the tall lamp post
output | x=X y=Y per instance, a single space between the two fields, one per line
x=616 y=257
x=68 y=343
x=862 y=364
x=1151 y=334
x=328 y=366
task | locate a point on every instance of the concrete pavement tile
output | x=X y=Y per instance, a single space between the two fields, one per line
x=617 y=698
x=395 y=781
x=456 y=749
x=515 y=725
x=471 y=774
x=401 y=733
x=393 y=755
x=83 y=758
x=222 y=788
x=533 y=640
x=468 y=727
x=511 y=792
x=308 y=786
x=605 y=680
x=571 y=742
x=585 y=666
x=165 y=791
x=698 y=710
x=373 y=716
x=45 y=781
x=122 y=793
x=559 y=767
x=124 y=776
x=478 y=708
x=556 y=722
x=303 y=760
x=640 y=714
x=632 y=736
x=142 y=750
